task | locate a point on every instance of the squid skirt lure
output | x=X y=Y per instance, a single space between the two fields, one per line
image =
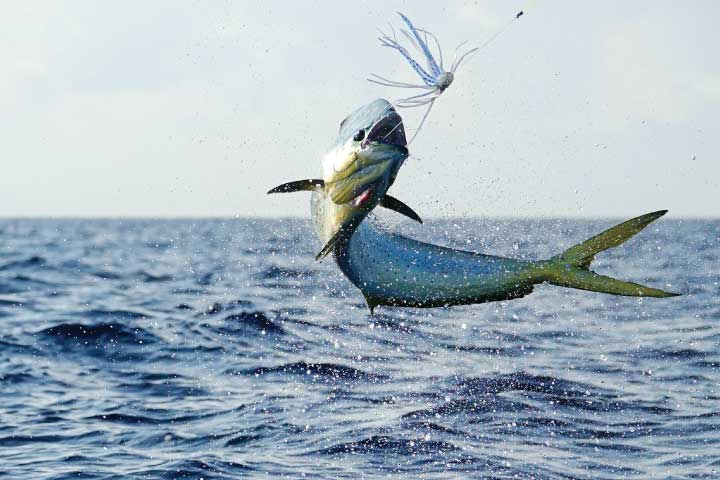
x=434 y=76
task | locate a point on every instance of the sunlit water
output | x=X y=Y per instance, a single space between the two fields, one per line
x=220 y=349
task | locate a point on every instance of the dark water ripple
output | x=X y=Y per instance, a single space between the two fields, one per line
x=220 y=349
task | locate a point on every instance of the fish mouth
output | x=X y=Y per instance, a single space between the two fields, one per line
x=388 y=130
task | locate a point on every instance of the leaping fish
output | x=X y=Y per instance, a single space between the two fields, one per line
x=393 y=270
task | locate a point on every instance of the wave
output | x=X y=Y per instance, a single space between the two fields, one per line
x=239 y=303
x=28 y=283
x=113 y=314
x=12 y=347
x=516 y=351
x=165 y=389
x=30 y=262
x=111 y=332
x=239 y=322
x=17 y=378
x=128 y=419
x=106 y=275
x=161 y=385
x=487 y=404
x=206 y=279
x=241 y=440
x=520 y=392
x=148 y=277
x=207 y=469
x=19 y=440
x=189 y=291
x=384 y=444
x=667 y=354
x=217 y=307
x=275 y=272
x=160 y=417
x=327 y=371
x=522 y=381
x=213 y=309
x=8 y=289
x=10 y=303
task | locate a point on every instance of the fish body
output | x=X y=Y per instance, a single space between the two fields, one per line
x=393 y=270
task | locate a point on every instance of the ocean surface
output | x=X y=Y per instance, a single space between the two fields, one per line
x=221 y=349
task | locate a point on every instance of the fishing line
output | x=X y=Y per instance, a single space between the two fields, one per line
x=502 y=29
x=464 y=57
x=436 y=79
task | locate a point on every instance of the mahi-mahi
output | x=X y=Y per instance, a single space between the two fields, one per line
x=393 y=270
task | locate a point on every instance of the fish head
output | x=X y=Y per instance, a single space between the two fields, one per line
x=358 y=171
x=369 y=150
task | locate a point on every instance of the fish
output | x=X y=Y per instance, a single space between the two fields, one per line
x=392 y=270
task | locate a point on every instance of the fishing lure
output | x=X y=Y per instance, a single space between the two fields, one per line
x=434 y=77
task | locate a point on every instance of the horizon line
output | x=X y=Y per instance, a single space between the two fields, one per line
x=296 y=217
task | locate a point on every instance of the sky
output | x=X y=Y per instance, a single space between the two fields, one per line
x=193 y=109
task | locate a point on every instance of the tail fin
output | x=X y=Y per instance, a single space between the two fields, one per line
x=572 y=267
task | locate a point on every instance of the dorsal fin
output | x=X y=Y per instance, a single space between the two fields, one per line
x=393 y=203
x=309 y=184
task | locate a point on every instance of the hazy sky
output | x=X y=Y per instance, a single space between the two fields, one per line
x=181 y=108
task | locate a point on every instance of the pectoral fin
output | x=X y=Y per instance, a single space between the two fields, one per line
x=393 y=203
x=310 y=184
x=330 y=245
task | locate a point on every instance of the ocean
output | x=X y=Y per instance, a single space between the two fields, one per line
x=218 y=348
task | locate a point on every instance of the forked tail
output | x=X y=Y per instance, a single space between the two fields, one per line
x=572 y=267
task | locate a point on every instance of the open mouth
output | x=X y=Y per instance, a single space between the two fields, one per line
x=388 y=130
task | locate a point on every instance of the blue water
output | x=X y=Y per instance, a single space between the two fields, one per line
x=220 y=349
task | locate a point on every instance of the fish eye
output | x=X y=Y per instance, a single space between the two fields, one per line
x=360 y=135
